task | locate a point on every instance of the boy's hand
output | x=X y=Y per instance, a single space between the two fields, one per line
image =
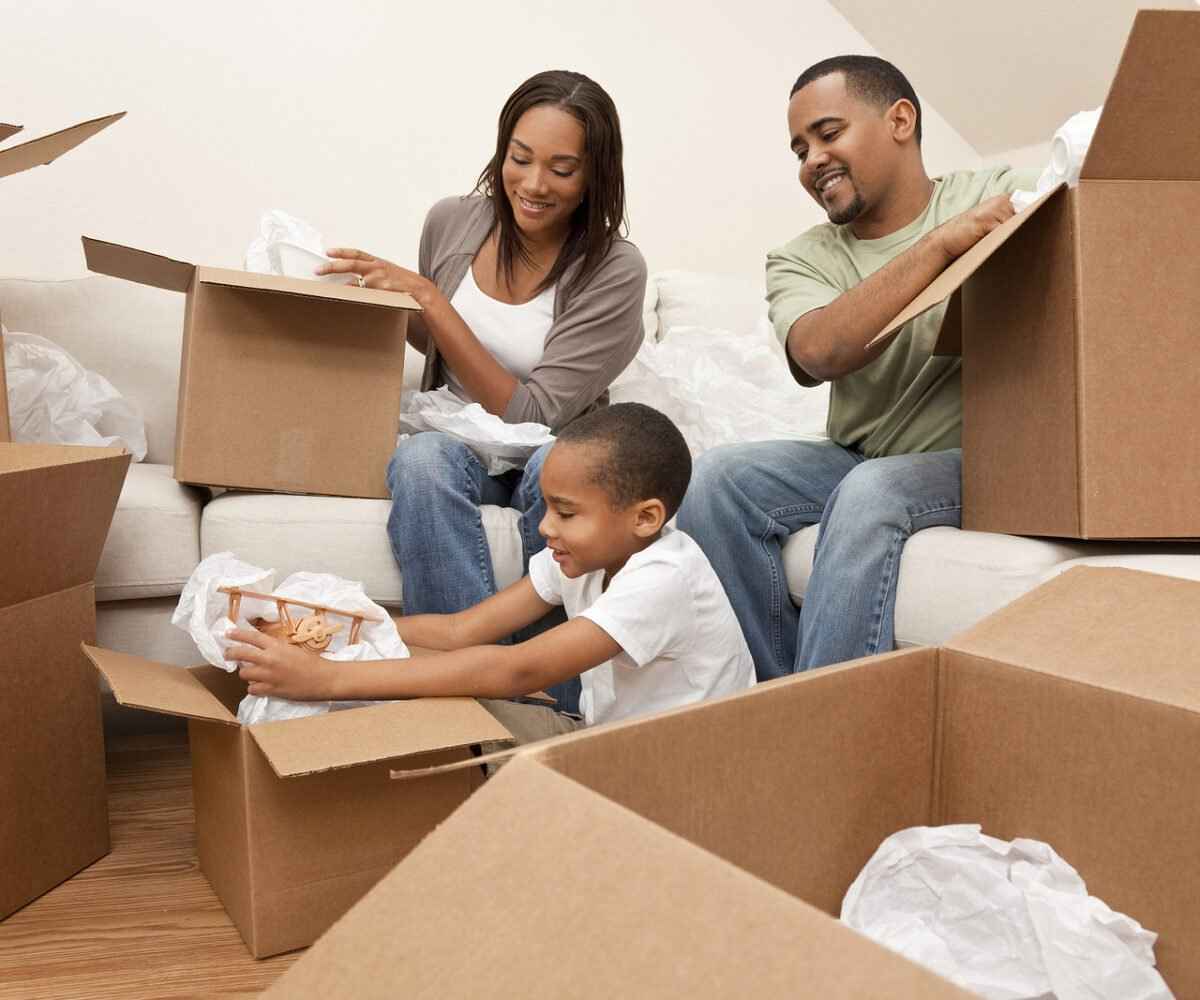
x=277 y=668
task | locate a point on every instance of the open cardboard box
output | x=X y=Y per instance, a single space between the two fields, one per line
x=1079 y=320
x=295 y=820
x=692 y=854
x=56 y=504
x=286 y=384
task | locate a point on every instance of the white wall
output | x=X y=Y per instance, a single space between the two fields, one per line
x=357 y=115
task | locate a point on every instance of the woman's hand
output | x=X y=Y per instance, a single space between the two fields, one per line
x=277 y=668
x=374 y=272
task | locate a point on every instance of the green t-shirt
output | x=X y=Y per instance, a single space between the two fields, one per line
x=906 y=400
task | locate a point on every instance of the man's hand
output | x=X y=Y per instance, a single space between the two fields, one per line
x=277 y=668
x=962 y=232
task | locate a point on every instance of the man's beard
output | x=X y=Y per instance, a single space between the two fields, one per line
x=850 y=212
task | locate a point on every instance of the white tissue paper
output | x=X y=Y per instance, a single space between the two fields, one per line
x=203 y=610
x=290 y=247
x=53 y=399
x=724 y=388
x=1067 y=151
x=502 y=447
x=1009 y=920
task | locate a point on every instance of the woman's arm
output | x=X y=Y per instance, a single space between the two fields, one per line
x=276 y=668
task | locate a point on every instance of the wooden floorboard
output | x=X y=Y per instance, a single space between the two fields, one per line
x=141 y=922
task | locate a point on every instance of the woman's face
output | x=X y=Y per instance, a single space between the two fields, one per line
x=545 y=171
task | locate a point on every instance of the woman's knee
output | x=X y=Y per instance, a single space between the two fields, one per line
x=431 y=459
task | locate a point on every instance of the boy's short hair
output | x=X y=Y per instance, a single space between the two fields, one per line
x=646 y=456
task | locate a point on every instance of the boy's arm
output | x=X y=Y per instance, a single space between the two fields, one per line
x=277 y=668
x=490 y=620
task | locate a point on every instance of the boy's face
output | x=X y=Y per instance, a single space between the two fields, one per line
x=581 y=527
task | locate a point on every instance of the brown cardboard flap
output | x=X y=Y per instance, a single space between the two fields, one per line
x=157 y=687
x=56 y=504
x=376 y=732
x=1156 y=91
x=951 y=279
x=38 y=152
x=307 y=287
x=7 y=131
x=544 y=863
x=1119 y=629
x=137 y=265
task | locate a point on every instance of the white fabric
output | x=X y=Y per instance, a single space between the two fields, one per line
x=680 y=642
x=154 y=541
x=340 y=535
x=515 y=335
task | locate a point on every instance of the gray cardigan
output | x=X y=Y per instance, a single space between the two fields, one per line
x=595 y=332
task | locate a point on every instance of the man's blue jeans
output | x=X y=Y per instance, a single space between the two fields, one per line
x=745 y=500
x=436 y=529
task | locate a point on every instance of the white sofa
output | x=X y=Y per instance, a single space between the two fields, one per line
x=131 y=334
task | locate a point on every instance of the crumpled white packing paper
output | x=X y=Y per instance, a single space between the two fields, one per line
x=203 y=612
x=1068 y=148
x=290 y=247
x=499 y=445
x=1009 y=920
x=53 y=399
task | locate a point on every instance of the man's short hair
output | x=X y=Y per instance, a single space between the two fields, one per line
x=868 y=78
x=645 y=457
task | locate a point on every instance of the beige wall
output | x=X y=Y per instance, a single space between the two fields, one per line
x=357 y=115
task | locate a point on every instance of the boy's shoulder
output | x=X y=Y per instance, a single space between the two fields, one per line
x=674 y=554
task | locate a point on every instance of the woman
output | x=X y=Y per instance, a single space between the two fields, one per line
x=531 y=305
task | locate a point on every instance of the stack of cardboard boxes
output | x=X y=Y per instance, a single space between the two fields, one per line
x=56 y=504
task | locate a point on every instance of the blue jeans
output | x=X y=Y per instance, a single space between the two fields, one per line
x=436 y=529
x=745 y=500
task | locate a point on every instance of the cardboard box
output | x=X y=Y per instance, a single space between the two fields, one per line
x=286 y=384
x=1079 y=320
x=47 y=148
x=56 y=504
x=295 y=820
x=690 y=854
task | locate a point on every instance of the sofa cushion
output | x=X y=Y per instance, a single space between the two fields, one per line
x=715 y=301
x=154 y=542
x=343 y=536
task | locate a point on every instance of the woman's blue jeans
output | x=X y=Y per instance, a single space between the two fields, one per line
x=436 y=531
x=745 y=500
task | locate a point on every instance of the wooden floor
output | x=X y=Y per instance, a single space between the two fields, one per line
x=141 y=922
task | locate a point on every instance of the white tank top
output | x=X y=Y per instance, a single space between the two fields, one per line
x=515 y=335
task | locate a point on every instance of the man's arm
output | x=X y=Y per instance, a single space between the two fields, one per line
x=831 y=342
x=274 y=667
x=488 y=621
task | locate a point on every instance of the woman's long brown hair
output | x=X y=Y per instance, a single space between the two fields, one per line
x=601 y=215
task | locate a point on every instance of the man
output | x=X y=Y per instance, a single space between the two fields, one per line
x=893 y=464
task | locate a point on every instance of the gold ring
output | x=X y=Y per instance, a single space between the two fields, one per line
x=362 y=281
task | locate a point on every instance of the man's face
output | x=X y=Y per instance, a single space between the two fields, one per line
x=844 y=147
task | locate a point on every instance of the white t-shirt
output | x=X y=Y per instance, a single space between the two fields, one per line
x=515 y=335
x=680 y=641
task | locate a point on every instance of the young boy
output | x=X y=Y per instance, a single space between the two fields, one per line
x=649 y=626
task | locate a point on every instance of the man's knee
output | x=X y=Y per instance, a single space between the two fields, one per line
x=891 y=490
x=713 y=473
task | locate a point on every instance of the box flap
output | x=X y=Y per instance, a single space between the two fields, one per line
x=951 y=279
x=56 y=504
x=308 y=287
x=1119 y=629
x=1156 y=92
x=7 y=131
x=157 y=687
x=543 y=864
x=137 y=265
x=376 y=732
x=37 y=152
